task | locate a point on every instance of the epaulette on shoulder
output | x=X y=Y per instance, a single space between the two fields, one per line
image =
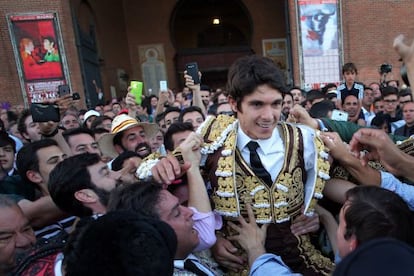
x=213 y=127
x=407 y=146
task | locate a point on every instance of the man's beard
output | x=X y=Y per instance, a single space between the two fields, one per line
x=103 y=195
x=143 y=150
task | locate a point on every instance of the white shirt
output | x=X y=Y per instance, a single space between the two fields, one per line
x=180 y=264
x=272 y=155
x=272 y=150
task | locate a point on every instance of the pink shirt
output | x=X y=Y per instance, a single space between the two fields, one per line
x=206 y=224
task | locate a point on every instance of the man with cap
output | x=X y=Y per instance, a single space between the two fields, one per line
x=126 y=134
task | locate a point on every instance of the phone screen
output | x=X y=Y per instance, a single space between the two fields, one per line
x=136 y=90
x=338 y=115
x=163 y=86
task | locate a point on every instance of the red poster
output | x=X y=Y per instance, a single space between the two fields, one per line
x=39 y=54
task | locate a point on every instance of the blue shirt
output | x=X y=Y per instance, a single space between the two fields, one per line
x=405 y=191
x=270 y=264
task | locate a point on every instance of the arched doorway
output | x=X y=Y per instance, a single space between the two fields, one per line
x=85 y=31
x=212 y=33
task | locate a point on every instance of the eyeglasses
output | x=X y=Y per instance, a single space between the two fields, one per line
x=390 y=101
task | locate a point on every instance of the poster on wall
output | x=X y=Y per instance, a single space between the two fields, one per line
x=319 y=40
x=152 y=60
x=39 y=55
x=276 y=49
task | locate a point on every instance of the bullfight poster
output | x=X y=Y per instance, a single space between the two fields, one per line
x=320 y=42
x=39 y=55
x=276 y=49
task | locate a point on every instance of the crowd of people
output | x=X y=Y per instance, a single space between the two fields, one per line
x=251 y=179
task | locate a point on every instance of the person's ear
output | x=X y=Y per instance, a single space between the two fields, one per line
x=25 y=136
x=34 y=176
x=233 y=104
x=118 y=149
x=353 y=243
x=86 y=196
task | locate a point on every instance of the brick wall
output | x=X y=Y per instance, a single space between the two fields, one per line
x=369 y=28
x=10 y=89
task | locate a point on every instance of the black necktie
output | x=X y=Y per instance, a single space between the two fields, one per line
x=257 y=165
x=192 y=267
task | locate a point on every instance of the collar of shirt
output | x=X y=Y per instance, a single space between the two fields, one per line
x=180 y=263
x=266 y=145
x=367 y=112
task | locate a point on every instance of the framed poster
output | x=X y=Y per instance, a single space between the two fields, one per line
x=319 y=31
x=39 y=55
x=276 y=49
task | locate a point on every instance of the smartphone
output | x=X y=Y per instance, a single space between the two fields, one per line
x=75 y=96
x=192 y=70
x=163 y=85
x=45 y=112
x=339 y=115
x=136 y=90
x=63 y=90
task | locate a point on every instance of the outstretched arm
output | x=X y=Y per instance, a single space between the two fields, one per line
x=406 y=52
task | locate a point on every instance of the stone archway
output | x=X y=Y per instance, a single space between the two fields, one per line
x=213 y=46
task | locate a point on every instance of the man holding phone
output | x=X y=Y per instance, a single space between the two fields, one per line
x=192 y=80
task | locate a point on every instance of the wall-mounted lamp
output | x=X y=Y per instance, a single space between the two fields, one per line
x=216 y=21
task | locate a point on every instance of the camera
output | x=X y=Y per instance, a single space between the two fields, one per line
x=385 y=68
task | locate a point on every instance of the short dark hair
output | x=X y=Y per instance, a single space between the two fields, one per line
x=214 y=99
x=75 y=131
x=405 y=92
x=321 y=109
x=374 y=212
x=171 y=109
x=6 y=140
x=135 y=246
x=27 y=158
x=324 y=89
x=189 y=109
x=99 y=130
x=297 y=88
x=204 y=87
x=21 y=125
x=173 y=129
x=99 y=120
x=314 y=94
x=389 y=90
x=69 y=176
x=247 y=73
x=379 y=120
x=159 y=117
x=141 y=198
x=349 y=67
x=119 y=160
